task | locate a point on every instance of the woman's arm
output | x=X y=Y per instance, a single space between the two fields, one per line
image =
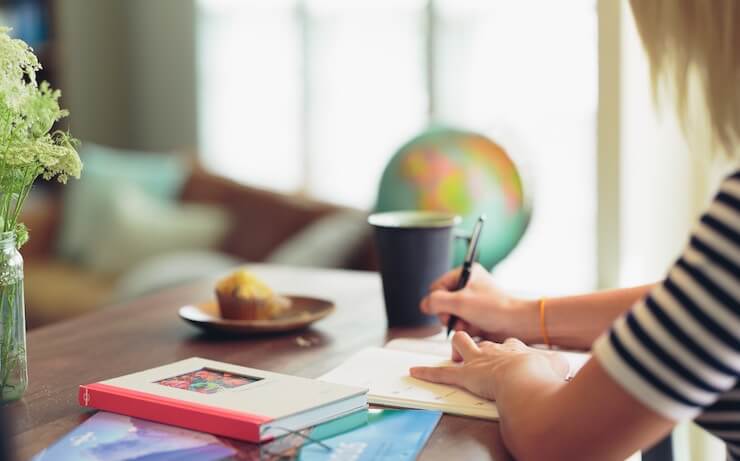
x=545 y=417
x=672 y=356
x=575 y=322
x=591 y=417
x=486 y=311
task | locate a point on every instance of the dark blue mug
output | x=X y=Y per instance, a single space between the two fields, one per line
x=414 y=248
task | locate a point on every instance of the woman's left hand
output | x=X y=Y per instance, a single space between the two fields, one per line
x=487 y=364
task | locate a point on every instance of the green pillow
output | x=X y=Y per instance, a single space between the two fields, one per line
x=139 y=226
x=88 y=199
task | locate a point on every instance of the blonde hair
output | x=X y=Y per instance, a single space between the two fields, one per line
x=701 y=37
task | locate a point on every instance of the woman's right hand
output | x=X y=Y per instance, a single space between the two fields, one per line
x=482 y=308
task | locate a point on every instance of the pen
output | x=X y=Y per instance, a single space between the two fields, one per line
x=467 y=264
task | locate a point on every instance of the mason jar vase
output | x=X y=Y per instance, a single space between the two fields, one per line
x=13 y=364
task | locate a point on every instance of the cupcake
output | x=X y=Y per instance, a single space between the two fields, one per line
x=242 y=296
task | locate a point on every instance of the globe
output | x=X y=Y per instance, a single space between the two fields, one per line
x=465 y=173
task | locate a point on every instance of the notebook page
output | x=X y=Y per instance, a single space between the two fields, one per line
x=386 y=373
x=437 y=345
x=440 y=346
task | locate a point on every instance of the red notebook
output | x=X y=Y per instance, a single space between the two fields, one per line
x=229 y=400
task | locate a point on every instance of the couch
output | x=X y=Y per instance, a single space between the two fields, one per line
x=263 y=226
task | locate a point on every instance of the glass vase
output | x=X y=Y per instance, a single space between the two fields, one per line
x=13 y=365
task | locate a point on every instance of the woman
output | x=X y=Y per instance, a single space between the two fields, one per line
x=661 y=354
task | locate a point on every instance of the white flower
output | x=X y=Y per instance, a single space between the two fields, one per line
x=28 y=112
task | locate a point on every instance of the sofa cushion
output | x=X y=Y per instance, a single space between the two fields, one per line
x=87 y=199
x=330 y=241
x=172 y=269
x=262 y=220
x=138 y=226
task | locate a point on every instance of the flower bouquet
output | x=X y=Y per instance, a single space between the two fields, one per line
x=28 y=149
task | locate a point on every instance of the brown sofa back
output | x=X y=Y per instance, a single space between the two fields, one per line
x=262 y=219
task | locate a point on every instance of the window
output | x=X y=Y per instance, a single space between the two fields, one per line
x=316 y=95
x=250 y=90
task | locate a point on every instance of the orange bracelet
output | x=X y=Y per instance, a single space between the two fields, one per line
x=543 y=328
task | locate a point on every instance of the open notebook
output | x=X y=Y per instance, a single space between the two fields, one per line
x=385 y=371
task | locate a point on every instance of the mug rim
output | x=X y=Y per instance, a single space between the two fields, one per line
x=410 y=219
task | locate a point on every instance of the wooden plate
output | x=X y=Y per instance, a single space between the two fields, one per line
x=303 y=312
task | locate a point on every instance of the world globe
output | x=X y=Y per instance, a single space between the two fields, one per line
x=464 y=173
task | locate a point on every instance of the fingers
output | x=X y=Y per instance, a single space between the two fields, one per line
x=443 y=302
x=441 y=375
x=509 y=345
x=460 y=325
x=514 y=343
x=465 y=346
x=483 y=345
x=424 y=304
x=447 y=281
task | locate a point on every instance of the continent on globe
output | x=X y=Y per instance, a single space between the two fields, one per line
x=459 y=172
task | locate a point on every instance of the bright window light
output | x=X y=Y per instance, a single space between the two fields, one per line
x=316 y=95
x=525 y=73
x=249 y=91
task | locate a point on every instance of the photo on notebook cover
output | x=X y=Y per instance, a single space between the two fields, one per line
x=207 y=381
x=377 y=434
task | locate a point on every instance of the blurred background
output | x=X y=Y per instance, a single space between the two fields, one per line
x=309 y=99
x=221 y=131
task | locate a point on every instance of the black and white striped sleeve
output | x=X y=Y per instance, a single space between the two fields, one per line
x=678 y=350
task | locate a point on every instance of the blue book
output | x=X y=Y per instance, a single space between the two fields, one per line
x=397 y=435
x=391 y=435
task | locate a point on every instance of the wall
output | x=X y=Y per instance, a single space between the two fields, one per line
x=92 y=56
x=128 y=71
x=162 y=73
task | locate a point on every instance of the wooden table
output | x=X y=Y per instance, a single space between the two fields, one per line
x=147 y=332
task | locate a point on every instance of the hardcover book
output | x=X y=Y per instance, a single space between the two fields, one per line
x=229 y=400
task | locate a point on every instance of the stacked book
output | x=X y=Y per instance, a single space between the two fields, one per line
x=262 y=416
x=219 y=398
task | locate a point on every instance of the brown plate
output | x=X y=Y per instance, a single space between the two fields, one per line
x=303 y=312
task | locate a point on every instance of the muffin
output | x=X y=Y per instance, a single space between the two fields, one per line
x=242 y=296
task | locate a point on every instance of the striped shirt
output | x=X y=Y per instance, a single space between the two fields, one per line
x=678 y=350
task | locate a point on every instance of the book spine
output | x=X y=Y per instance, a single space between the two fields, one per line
x=172 y=411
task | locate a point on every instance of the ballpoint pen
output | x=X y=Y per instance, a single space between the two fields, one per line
x=467 y=265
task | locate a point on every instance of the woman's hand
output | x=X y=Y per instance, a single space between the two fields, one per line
x=483 y=310
x=487 y=366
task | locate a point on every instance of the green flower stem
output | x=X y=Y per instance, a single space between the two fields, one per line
x=12 y=347
x=8 y=304
x=29 y=177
